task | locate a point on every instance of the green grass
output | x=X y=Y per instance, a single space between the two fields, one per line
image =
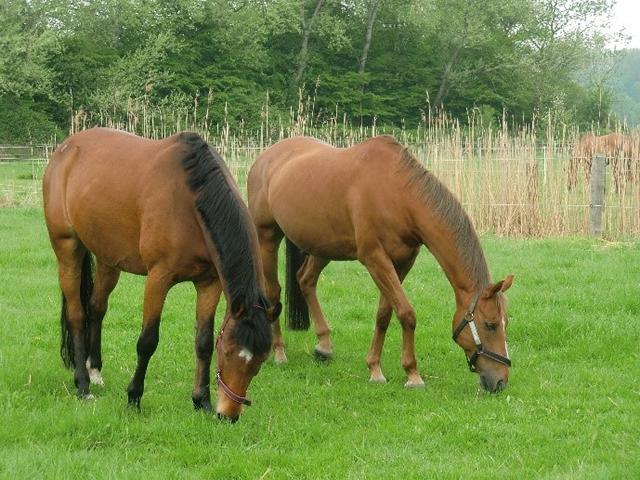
x=571 y=409
x=20 y=183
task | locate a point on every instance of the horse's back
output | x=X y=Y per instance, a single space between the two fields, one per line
x=102 y=171
x=313 y=191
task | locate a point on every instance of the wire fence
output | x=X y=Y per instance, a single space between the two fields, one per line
x=509 y=185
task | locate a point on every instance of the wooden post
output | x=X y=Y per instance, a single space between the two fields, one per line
x=597 y=194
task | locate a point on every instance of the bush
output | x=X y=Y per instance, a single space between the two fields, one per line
x=22 y=120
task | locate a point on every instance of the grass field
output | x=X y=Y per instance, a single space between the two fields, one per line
x=571 y=410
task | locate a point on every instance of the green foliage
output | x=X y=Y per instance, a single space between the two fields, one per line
x=519 y=56
x=26 y=43
x=570 y=409
x=24 y=120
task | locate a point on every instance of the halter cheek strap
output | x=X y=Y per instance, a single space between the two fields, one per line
x=469 y=319
x=231 y=395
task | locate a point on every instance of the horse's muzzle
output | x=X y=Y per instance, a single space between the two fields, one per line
x=492 y=386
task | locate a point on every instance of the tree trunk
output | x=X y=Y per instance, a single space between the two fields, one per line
x=307 y=25
x=444 y=82
x=373 y=12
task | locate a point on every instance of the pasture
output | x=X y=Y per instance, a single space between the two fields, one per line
x=571 y=409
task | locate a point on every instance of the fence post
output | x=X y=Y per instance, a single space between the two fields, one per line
x=597 y=194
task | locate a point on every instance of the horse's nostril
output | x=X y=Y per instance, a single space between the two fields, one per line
x=500 y=385
x=484 y=383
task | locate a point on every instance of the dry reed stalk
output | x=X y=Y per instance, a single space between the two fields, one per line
x=510 y=181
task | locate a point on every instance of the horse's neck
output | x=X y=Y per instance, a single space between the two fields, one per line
x=439 y=238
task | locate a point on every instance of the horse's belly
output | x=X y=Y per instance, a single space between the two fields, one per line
x=332 y=249
x=116 y=249
x=314 y=213
x=322 y=236
x=110 y=237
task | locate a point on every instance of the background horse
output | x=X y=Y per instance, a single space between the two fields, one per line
x=375 y=203
x=169 y=210
x=622 y=152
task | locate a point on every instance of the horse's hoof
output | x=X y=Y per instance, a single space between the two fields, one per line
x=88 y=397
x=280 y=357
x=378 y=380
x=322 y=356
x=95 y=377
x=415 y=384
x=134 y=402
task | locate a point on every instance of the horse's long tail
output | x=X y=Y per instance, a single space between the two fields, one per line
x=297 y=310
x=67 y=350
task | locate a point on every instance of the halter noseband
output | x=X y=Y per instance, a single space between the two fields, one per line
x=234 y=397
x=469 y=319
x=231 y=395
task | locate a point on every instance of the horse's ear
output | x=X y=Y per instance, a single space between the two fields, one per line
x=501 y=286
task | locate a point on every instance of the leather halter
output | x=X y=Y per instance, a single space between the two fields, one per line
x=469 y=319
x=231 y=395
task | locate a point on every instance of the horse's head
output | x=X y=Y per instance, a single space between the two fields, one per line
x=481 y=330
x=242 y=346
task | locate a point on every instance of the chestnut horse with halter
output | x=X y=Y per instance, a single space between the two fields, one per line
x=170 y=210
x=375 y=203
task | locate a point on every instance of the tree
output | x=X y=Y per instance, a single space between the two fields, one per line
x=26 y=45
x=376 y=61
x=372 y=7
x=307 y=26
x=562 y=36
x=27 y=100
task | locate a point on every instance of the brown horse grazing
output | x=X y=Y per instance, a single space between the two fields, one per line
x=375 y=203
x=169 y=210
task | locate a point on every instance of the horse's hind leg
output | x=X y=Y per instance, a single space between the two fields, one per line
x=73 y=268
x=208 y=295
x=383 y=317
x=308 y=280
x=105 y=281
x=155 y=293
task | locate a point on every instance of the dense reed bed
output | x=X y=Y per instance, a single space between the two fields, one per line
x=514 y=180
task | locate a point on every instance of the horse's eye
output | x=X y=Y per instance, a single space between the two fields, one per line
x=492 y=327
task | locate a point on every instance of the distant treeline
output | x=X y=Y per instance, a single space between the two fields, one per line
x=385 y=61
x=626 y=85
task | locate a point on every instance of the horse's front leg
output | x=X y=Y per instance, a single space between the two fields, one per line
x=269 y=238
x=383 y=318
x=155 y=292
x=388 y=280
x=208 y=296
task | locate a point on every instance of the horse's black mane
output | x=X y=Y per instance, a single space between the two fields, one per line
x=224 y=215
